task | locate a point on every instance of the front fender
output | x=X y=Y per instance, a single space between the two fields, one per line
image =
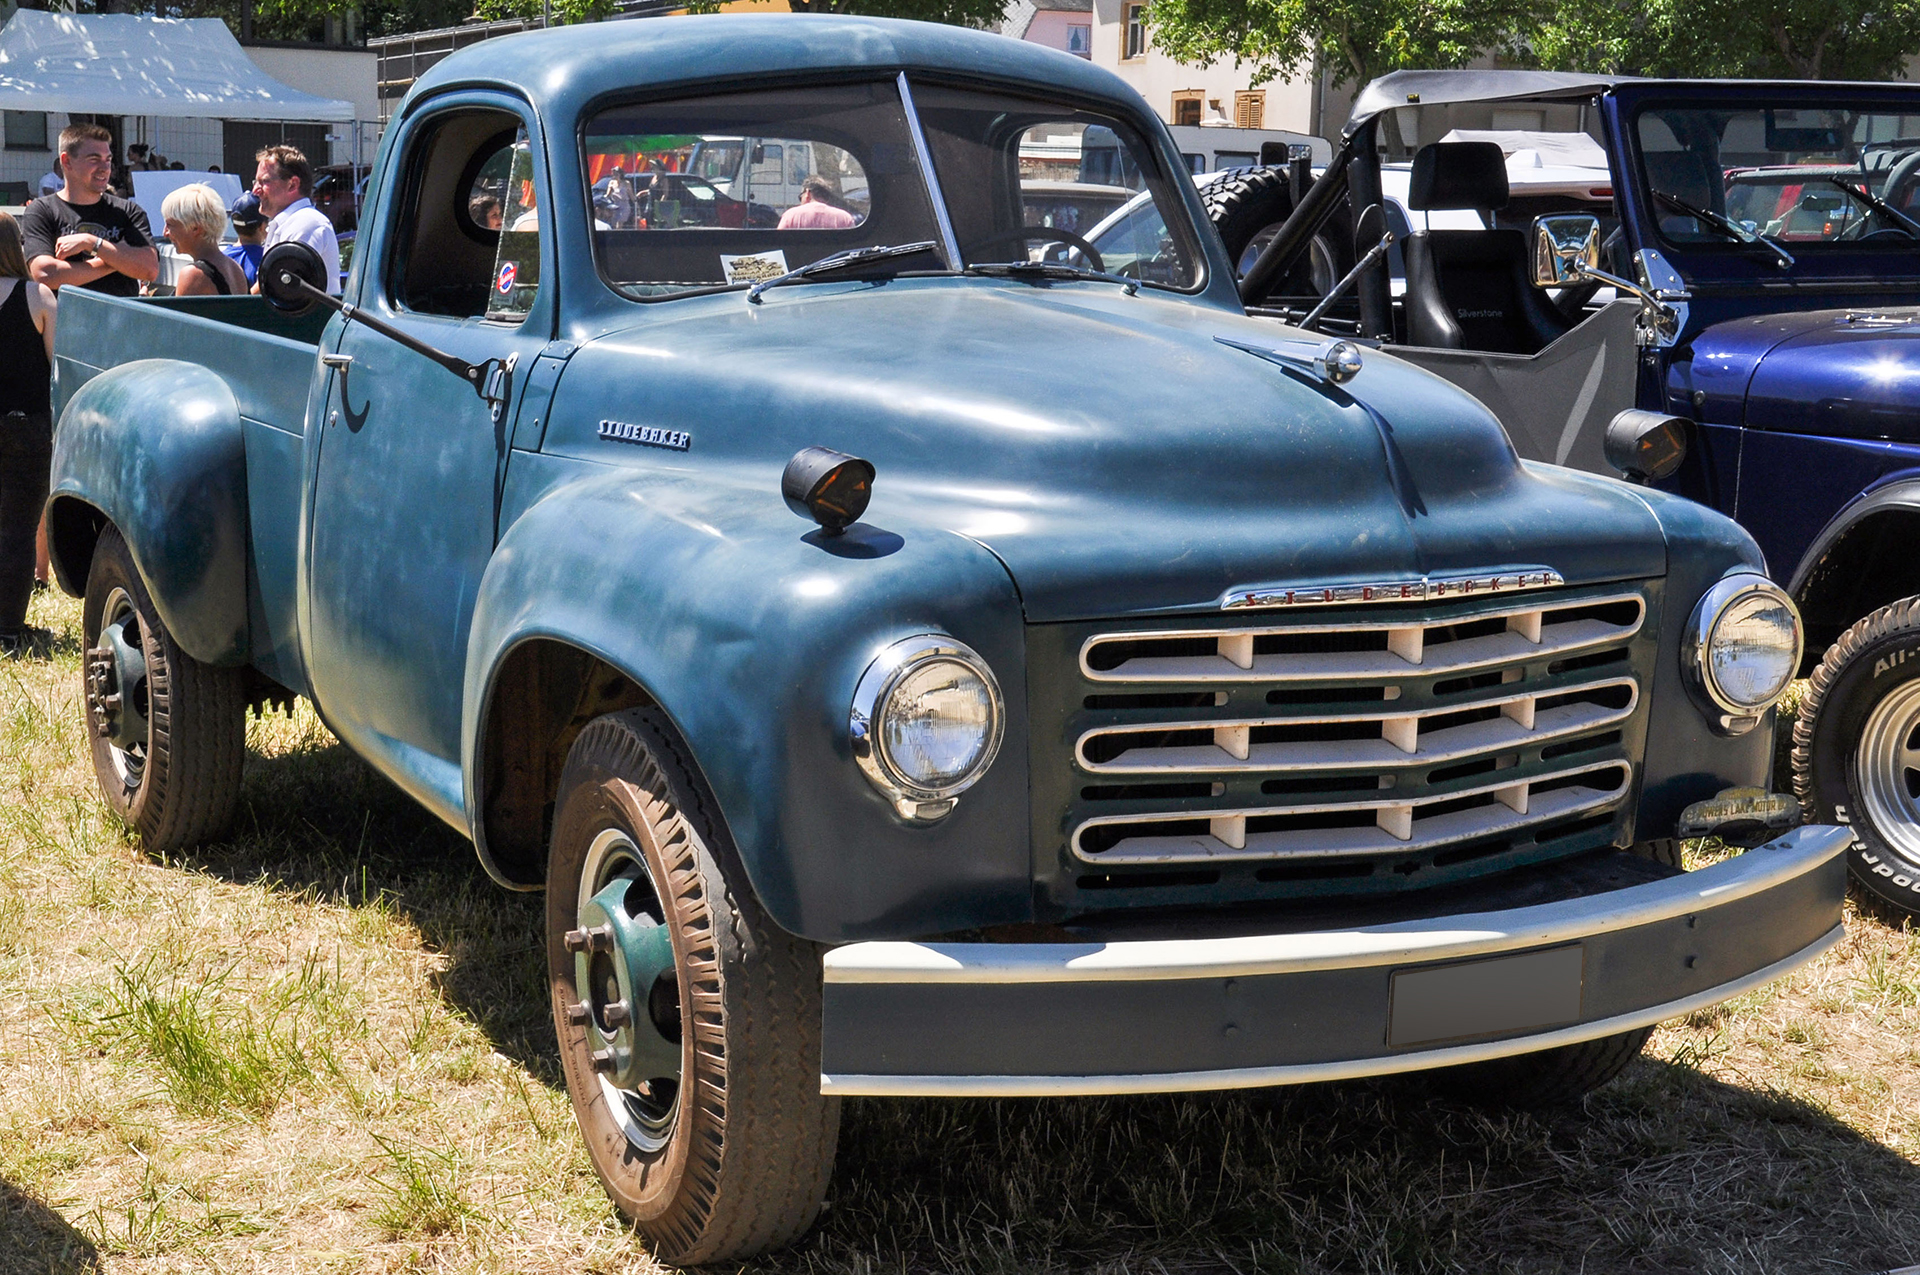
x=1896 y=491
x=751 y=633
x=156 y=447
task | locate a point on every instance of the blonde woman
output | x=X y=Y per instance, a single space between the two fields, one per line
x=26 y=435
x=194 y=218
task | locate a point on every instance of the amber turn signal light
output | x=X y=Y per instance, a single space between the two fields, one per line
x=830 y=487
x=1645 y=446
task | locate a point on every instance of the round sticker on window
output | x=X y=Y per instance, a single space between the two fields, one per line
x=507 y=273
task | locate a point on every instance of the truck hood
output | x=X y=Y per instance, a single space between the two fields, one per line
x=1837 y=373
x=1115 y=452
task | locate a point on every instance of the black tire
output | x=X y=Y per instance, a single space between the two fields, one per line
x=1243 y=205
x=1851 y=759
x=169 y=734
x=1550 y=1078
x=731 y=1155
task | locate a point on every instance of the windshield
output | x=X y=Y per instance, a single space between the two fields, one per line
x=1782 y=172
x=1027 y=180
x=729 y=190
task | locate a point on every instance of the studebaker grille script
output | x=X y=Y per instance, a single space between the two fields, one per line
x=1427 y=588
x=646 y=435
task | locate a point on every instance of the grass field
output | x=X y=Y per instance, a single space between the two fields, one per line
x=323 y=1046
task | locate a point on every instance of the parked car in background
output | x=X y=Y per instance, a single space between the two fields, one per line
x=907 y=666
x=337 y=192
x=1769 y=235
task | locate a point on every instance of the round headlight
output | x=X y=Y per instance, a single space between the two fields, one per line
x=926 y=723
x=1745 y=644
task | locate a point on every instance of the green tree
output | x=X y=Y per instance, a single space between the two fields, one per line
x=1357 y=40
x=1767 y=39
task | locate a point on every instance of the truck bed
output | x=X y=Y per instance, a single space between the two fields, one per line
x=267 y=360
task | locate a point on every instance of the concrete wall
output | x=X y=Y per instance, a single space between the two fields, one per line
x=1049 y=27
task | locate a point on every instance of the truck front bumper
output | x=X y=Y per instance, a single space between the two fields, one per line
x=1155 y=1016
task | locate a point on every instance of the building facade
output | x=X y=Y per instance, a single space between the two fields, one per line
x=1115 y=34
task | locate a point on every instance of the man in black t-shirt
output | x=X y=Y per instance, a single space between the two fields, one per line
x=85 y=236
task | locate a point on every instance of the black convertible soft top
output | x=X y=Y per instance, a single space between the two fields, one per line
x=1428 y=88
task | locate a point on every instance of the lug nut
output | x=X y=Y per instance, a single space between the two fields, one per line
x=603 y=1060
x=617 y=1014
x=597 y=939
x=578 y=1013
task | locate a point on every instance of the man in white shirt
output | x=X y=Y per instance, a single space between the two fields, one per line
x=282 y=182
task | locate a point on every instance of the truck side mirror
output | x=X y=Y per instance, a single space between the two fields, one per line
x=285 y=267
x=1566 y=248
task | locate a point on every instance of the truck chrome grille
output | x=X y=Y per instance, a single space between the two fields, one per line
x=1386 y=749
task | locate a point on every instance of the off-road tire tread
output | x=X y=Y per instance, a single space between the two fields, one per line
x=197 y=739
x=1889 y=621
x=1552 y=1077
x=764 y=1137
x=1240 y=205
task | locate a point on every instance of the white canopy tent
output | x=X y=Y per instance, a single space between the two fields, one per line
x=123 y=64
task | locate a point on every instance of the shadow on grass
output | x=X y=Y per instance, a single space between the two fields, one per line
x=1665 y=1170
x=319 y=822
x=35 y=1238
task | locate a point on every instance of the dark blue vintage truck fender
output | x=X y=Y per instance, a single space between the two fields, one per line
x=155 y=448
x=608 y=568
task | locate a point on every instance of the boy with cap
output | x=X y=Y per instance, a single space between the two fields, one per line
x=250 y=224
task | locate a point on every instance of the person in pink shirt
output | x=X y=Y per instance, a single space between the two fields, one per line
x=816 y=209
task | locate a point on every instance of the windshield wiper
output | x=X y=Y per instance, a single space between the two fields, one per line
x=1048 y=270
x=1731 y=230
x=1900 y=220
x=840 y=261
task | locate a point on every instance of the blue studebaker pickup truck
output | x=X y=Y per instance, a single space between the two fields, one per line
x=899 y=678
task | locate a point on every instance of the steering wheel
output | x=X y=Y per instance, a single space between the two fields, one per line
x=1048 y=233
x=1901 y=180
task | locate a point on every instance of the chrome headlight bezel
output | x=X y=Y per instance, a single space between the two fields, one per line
x=912 y=800
x=1730 y=715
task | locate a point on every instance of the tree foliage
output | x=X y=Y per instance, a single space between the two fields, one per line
x=1758 y=39
x=1358 y=40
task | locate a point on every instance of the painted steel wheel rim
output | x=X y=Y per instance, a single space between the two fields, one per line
x=117 y=688
x=627 y=979
x=1886 y=769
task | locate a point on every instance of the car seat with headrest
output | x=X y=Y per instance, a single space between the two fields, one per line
x=1471 y=289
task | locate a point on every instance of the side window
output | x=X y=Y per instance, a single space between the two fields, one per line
x=516 y=265
x=468 y=213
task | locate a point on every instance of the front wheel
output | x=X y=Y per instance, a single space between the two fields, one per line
x=169 y=734
x=689 y=1023
x=1856 y=750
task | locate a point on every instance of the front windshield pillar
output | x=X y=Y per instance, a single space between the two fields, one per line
x=949 y=242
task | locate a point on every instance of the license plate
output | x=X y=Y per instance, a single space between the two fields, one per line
x=1501 y=995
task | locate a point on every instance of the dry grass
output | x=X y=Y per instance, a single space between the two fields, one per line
x=322 y=1046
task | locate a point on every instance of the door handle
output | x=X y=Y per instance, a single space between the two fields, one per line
x=337 y=362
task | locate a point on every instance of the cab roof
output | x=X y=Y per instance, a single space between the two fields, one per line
x=563 y=69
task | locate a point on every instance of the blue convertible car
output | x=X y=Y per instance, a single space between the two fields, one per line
x=900 y=680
